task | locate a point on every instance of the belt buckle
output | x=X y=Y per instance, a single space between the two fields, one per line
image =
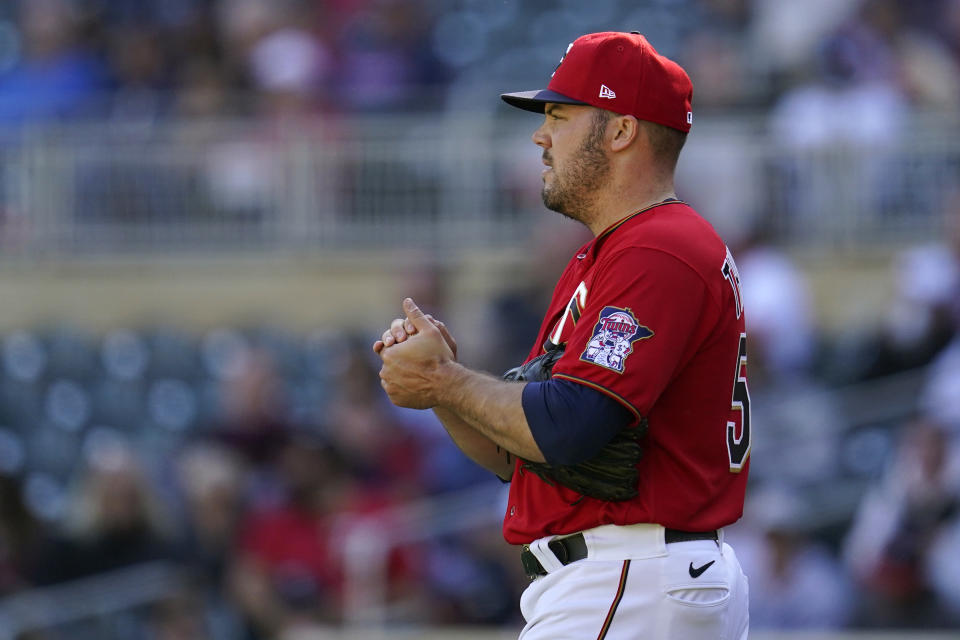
x=559 y=548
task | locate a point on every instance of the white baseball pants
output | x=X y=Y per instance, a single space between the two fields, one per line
x=634 y=586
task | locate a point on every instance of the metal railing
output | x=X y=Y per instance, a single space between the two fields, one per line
x=436 y=181
x=95 y=597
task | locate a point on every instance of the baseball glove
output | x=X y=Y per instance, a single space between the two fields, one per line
x=611 y=474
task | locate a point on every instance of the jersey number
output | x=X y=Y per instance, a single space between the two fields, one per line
x=738 y=447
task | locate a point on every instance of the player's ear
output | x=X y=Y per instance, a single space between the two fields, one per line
x=625 y=131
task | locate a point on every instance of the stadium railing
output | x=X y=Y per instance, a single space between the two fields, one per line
x=439 y=181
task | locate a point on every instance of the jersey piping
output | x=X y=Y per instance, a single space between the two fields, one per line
x=593 y=385
x=616 y=225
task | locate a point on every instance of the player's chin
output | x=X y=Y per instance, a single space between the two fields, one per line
x=547 y=194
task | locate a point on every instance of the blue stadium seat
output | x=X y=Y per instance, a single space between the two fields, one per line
x=124 y=354
x=24 y=356
x=67 y=405
x=172 y=404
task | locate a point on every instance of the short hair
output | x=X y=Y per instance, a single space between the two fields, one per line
x=665 y=142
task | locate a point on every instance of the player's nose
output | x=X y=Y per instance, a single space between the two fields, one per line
x=540 y=138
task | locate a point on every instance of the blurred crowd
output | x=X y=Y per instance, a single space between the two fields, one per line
x=153 y=59
x=247 y=457
x=828 y=69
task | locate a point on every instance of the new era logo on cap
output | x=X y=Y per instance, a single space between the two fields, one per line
x=649 y=86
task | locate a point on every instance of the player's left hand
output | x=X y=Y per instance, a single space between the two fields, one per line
x=412 y=372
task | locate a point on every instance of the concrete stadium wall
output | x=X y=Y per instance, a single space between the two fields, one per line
x=355 y=289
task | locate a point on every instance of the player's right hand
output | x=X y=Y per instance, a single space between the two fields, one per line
x=401 y=329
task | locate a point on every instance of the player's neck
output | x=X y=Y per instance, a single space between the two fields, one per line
x=626 y=202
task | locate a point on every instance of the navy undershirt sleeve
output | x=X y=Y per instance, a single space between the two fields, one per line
x=571 y=422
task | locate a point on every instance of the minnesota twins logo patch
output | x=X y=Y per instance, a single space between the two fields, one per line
x=613 y=338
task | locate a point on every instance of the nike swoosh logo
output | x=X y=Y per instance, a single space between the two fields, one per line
x=698 y=571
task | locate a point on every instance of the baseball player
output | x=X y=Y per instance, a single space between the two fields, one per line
x=625 y=434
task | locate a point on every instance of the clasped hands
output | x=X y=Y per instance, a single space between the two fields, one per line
x=416 y=352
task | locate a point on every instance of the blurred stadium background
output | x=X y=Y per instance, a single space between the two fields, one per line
x=210 y=208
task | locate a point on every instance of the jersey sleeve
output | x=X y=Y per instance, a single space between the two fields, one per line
x=635 y=331
x=571 y=422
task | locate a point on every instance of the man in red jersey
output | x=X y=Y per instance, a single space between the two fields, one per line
x=645 y=332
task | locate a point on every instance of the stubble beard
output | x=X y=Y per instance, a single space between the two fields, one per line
x=576 y=188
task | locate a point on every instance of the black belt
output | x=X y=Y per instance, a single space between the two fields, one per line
x=573 y=548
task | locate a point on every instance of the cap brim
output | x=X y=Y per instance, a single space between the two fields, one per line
x=536 y=100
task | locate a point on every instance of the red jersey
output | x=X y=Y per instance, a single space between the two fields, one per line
x=650 y=314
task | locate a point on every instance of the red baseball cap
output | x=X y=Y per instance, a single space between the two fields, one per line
x=620 y=72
